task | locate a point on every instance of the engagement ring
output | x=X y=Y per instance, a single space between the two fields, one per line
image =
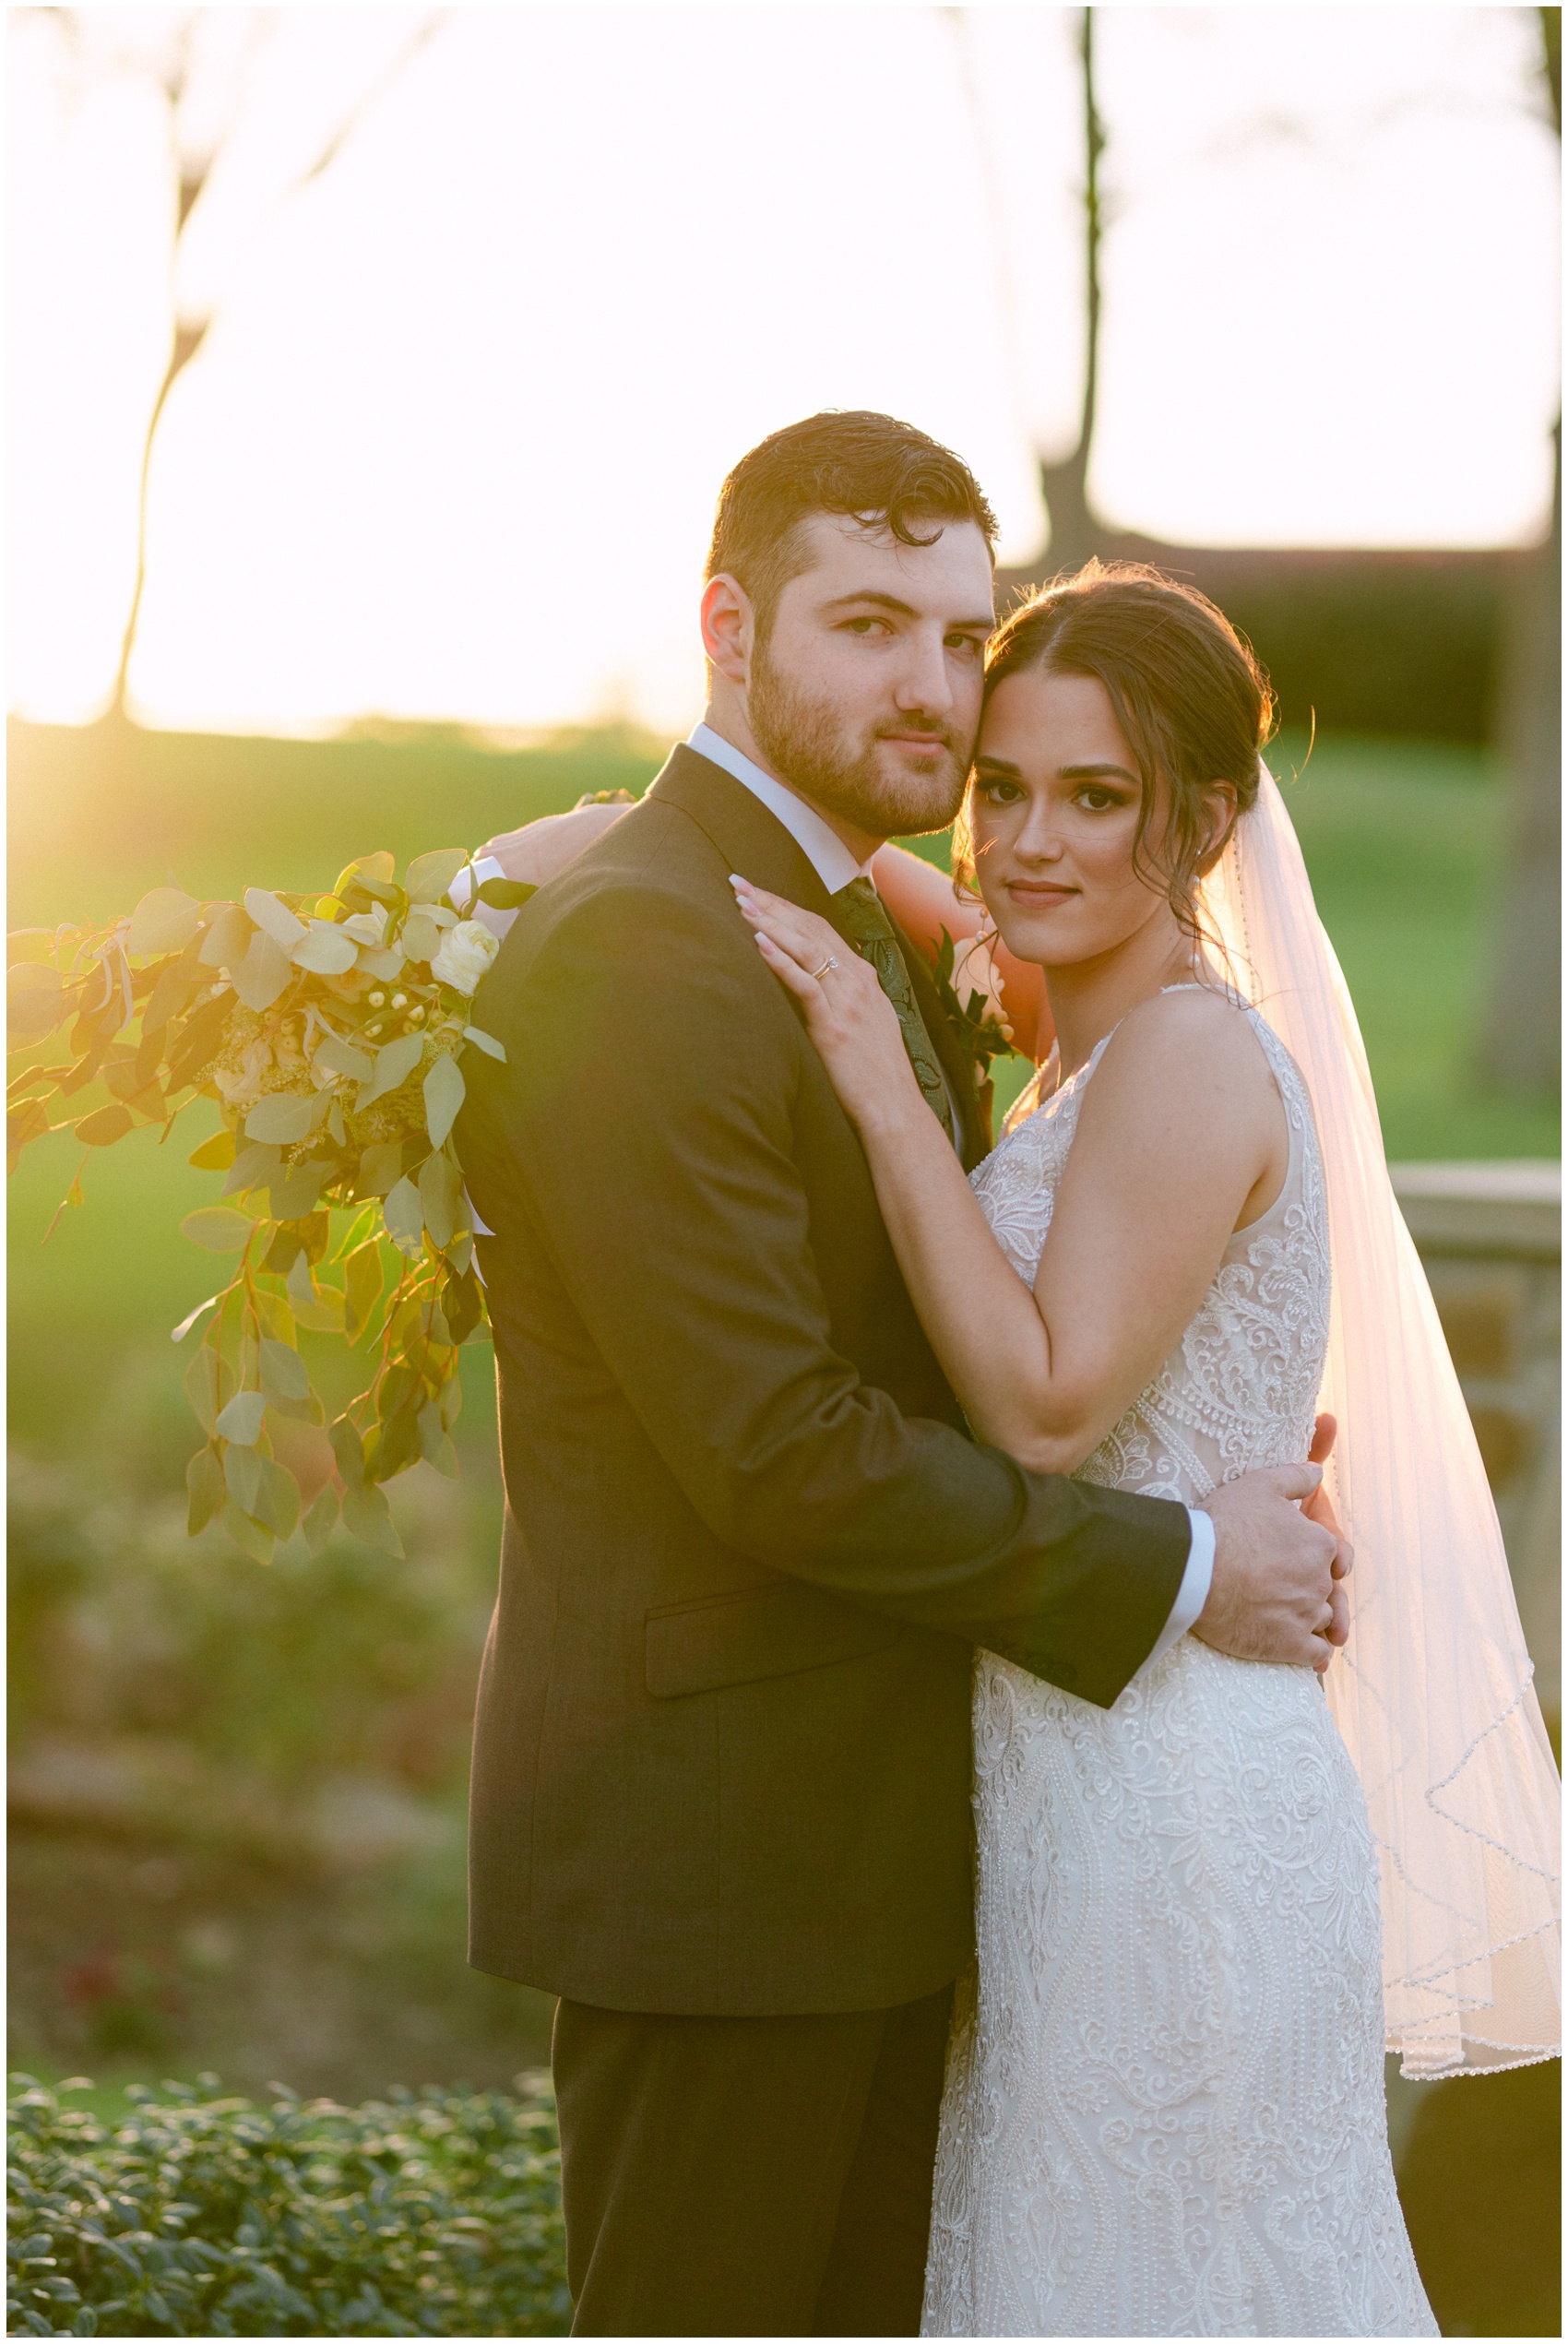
x=831 y=962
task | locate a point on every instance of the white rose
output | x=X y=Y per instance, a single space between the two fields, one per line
x=466 y=953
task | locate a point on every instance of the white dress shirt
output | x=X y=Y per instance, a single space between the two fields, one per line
x=836 y=867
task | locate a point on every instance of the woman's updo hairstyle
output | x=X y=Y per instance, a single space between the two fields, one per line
x=1191 y=699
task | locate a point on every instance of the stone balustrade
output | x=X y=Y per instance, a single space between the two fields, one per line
x=1490 y=1238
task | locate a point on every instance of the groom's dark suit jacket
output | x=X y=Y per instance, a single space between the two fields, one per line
x=721 y=1761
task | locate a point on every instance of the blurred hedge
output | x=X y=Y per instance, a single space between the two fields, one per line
x=202 y=2216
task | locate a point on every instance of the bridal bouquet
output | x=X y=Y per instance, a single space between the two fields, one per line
x=331 y=1032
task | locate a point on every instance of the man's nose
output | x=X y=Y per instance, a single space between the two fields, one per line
x=925 y=682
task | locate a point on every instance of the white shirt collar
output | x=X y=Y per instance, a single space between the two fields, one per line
x=820 y=845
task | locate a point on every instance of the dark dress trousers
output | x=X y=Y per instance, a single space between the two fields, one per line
x=721 y=1756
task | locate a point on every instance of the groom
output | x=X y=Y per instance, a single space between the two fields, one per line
x=722 y=1763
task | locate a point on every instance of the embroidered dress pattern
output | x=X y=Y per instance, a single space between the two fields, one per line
x=1164 y=2110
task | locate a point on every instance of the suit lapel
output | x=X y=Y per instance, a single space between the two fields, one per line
x=755 y=843
x=751 y=839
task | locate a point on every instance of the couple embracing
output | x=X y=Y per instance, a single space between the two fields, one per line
x=907 y=1741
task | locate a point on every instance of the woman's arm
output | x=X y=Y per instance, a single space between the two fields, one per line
x=545 y=846
x=1179 y=1126
x=924 y=901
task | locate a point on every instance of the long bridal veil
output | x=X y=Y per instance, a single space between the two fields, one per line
x=1432 y=1695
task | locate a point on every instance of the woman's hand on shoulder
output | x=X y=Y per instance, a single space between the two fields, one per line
x=847 y=1015
x=542 y=848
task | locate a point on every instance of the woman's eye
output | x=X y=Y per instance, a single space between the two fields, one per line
x=1095 y=799
x=999 y=792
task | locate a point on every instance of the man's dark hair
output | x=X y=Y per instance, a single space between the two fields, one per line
x=881 y=472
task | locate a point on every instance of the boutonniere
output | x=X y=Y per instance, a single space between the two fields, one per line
x=971 y=992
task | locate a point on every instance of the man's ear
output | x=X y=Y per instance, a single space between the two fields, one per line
x=727 y=627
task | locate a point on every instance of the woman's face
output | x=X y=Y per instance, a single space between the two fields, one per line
x=1056 y=803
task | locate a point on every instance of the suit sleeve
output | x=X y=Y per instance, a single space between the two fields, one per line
x=644 y=1122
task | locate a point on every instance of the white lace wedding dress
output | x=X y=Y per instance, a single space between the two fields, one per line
x=1164 y=2109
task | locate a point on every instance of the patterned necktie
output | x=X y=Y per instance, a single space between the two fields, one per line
x=858 y=914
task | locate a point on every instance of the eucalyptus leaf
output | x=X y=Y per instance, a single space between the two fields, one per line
x=277 y=1498
x=404 y=1217
x=105 y=1126
x=295 y=1192
x=240 y=1421
x=388 y=963
x=341 y=1058
x=263 y=972
x=441 y=1196
x=487 y=1042
x=282 y=1119
x=216 y=1154
x=362 y=1287
x=275 y=918
x=170 y=999
x=164 y=921
x=178 y=1334
x=227 y=940
x=242 y=1470
x=209 y=1380
x=324 y=950
x=394 y=1062
x=276 y=1317
x=367 y=1517
x=429 y=876
x=435 y=1446
x=217 y=1227
x=284 y=1375
x=506 y=895
x=443 y=1093
x=252 y=1167
x=421 y=936
x=206 y=1488
x=380 y=1169
x=247 y=1535
x=349 y=1451
x=381 y=866
x=320 y=1518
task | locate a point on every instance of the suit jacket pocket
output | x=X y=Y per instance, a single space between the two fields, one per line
x=759 y=1632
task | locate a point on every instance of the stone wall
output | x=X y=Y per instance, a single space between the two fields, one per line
x=1490 y=1238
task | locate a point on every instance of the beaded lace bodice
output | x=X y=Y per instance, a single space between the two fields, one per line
x=1164 y=2107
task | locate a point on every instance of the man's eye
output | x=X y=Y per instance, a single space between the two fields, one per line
x=970 y=644
x=864 y=626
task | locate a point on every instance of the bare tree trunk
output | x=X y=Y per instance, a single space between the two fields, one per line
x=1076 y=531
x=1522 y=1032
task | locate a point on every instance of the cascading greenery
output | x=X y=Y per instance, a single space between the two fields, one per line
x=330 y=1031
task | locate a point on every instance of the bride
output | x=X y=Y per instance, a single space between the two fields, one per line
x=1202 y=1914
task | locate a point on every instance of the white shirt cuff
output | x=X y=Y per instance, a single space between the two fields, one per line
x=472 y=875
x=1196 y=1580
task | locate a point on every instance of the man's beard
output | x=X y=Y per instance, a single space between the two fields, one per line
x=803 y=740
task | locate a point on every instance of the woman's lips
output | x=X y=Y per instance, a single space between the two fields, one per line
x=1041 y=895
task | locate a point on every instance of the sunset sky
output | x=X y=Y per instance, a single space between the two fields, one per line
x=451 y=447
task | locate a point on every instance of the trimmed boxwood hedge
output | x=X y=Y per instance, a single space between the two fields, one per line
x=435 y=2214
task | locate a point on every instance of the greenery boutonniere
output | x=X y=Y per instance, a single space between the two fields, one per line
x=978 y=1018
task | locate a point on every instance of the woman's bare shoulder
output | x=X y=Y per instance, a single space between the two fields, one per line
x=1184 y=1041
